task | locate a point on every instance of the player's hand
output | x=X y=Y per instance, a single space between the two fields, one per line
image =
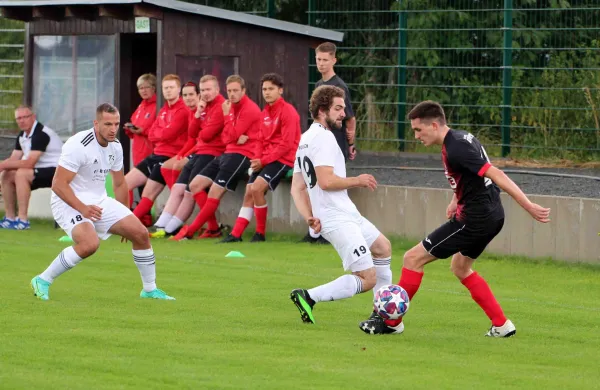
x=242 y=140
x=314 y=223
x=200 y=108
x=92 y=212
x=451 y=209
x=539 y=213
x=352 y=152
x=367 y=181
x=226 y=106
x=256 y=165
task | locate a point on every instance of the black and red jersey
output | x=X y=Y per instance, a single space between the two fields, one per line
x=465 y=164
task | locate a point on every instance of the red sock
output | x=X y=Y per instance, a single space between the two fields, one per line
x=143 y=207
x=410 y=281
x=261 y=219
x=169 y=175
x=130 y=198
x=200 y=199
x=482 y=294
x=240 y=225
x=211 y=205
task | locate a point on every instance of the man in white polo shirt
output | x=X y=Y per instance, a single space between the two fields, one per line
x=30 y=166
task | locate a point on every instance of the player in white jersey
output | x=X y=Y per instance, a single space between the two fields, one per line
x=84 y=211
x=319 y=189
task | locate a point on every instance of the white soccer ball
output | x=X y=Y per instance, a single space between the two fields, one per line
x=391 y=302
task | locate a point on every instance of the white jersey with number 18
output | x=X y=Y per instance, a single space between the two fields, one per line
x=318 y=147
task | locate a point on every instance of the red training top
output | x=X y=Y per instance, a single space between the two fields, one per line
x=143 y=117
x=243 y=119
x=211 y=123
x=169 y=132
x=281 y=132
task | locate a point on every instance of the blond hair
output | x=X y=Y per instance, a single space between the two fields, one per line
x=234 y=78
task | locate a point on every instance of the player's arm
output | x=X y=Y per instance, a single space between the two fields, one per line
x=14 y=161
x=300 y=196
x=325 y=150
x=120 y=187
x=213 y=127
x=538 y=212
x=350 y=123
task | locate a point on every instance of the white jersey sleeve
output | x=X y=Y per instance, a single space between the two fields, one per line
x=324 y=150
x=117 y=164
x=72 y=156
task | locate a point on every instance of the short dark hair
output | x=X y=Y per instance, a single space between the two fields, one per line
x=428 y=110
x=190 y=84
x=322 y=99
x=274 y=78
x=327 y=47
x=105 y=107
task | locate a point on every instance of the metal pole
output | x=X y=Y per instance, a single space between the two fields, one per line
x=312 y=77
x=270 y=8
x=507 y=78
x=402 y=39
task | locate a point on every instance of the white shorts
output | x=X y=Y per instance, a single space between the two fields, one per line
x=67 y=217
x=352 y=242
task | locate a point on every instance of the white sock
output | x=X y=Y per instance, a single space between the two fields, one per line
x=383 y=272
x=173 y=225
x=145 y=261
x=247 y=212
x=65 y=260
x=312 y=233
x=343 y=287
x=163 y=220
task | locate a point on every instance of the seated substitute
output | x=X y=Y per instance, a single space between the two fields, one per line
x=30 y=166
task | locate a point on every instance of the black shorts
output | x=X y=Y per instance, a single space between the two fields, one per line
x=271 y=173
x=464 y=238
x=42 y=177
x=150 y=167
x=226 y=170
x=196 y=164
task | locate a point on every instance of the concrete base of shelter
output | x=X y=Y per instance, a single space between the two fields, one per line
x=414 y=212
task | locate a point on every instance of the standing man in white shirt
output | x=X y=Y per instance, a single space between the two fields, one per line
x=30 y=166
x=319 y=189
x=84 y=211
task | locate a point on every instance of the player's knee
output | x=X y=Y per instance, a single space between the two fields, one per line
x=460 y=270
x=381 y=248
x=139 y=236
x=23 y=173
x=196 y=186
x=411 y=259
x=88 y=247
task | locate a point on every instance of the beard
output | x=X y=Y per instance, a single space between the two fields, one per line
x=332 y=124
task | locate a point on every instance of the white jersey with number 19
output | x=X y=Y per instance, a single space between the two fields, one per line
x=318 y=147
x=83 y=155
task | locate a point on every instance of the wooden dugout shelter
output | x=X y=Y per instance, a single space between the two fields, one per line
x=79 y=53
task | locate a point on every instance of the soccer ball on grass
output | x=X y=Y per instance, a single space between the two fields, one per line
x=391 y=302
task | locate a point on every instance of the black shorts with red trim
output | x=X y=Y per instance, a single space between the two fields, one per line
x=462 y=237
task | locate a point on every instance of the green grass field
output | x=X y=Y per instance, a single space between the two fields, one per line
x=234 y=327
